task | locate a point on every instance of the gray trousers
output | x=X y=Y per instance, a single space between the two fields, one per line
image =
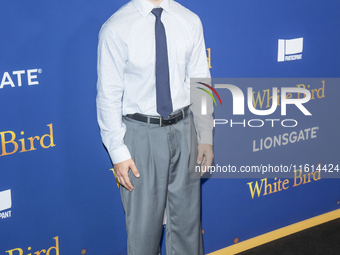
x=163 y=157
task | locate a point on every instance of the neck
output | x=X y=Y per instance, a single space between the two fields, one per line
x=155 y=2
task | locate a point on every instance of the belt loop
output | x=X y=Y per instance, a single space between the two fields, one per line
x=161 y=121
x=148 y=119
x=183 y=112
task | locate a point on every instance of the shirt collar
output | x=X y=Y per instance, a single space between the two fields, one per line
x=145 y=7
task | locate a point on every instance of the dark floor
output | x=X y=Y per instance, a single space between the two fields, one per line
x=320 y=240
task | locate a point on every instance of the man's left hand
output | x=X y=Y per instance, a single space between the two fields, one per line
x=205 y=156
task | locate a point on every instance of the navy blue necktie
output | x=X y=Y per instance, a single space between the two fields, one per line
x=163 y=94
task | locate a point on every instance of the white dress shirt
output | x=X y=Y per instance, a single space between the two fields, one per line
x=126 y=68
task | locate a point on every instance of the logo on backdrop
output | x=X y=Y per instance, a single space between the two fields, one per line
x=20 y=78
x=290 y=49
x=209 y=57
x=52 y=250
x=9 y=144
x=5 y=204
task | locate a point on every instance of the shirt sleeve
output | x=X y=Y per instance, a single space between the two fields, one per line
x=110 y=87
x=198 y=68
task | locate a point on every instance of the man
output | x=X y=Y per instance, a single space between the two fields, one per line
x=147 y=53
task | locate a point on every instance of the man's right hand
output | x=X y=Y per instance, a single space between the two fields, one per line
x=122 y=170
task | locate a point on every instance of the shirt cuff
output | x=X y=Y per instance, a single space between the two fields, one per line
x=205 y=137
x=119 y=155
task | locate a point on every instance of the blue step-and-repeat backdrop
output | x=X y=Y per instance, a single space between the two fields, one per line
x=57 y=193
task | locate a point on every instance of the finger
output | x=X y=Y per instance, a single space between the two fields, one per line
x=118 y=179
x=207 y=164
x=199 y=157
x=204 y=160
x=122 y=182
x=208 y=155
x=202 y=173
x=208 y=160
x=119 y=176
x=204 y=169
x=127 y=182
x=135 y=171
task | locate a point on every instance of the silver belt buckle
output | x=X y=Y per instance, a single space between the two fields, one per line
x=161 y=121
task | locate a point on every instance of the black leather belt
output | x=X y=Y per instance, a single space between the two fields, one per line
x=173 y=119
